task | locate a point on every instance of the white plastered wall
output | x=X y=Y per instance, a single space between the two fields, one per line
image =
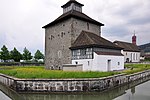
x=132 y=56
x=100 y=63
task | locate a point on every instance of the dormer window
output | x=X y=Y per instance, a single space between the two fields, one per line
x=72 y=5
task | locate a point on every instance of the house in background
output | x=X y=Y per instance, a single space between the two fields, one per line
x=130 y=51
x=95 y=53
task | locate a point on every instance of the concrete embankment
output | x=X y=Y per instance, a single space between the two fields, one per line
x=70 y=85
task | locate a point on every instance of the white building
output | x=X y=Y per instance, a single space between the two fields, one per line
x=95 y=53
x=130 y=51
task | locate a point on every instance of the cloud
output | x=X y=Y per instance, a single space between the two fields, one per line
x=121 y=18
x=22 y=20
x=2 y=39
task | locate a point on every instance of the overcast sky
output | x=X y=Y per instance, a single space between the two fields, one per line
x=21 y=21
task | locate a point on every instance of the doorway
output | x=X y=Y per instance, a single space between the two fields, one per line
x=109 y=65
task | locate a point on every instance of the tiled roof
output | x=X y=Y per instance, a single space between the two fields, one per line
x=127 y=46
x=109 y=53
x=73 y=14
x=88 y=39
x=72 y=1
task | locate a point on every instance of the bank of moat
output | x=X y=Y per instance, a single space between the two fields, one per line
x=70 y=85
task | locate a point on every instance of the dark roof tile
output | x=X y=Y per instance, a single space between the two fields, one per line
x=109 y=53
x=73 y=14
x=88 y=39
x=127 y=46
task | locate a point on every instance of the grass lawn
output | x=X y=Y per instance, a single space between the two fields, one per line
x=39 y=72
x=31 y=72
x=133 y=68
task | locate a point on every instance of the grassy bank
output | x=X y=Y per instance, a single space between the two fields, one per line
x=134 y=68
x=39 y=72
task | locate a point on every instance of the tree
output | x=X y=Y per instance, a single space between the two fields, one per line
x=26 y=54
x=38 y=55
x=0 y=55
x=4 y=54
x=15 y=55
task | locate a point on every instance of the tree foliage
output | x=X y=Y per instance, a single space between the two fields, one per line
x=4 y=53
x=38 y=55
x=15 y=55
x=26 y=54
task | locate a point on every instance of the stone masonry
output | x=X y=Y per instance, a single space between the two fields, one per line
x=70 y=85
x=58 y=39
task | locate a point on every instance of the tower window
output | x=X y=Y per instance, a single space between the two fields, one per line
x=88 y=26
x=51 y=37
x=62 y=34
x=59 y=54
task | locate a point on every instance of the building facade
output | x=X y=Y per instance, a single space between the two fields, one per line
x=62 y=32
x=130 y=51
x=95 y=53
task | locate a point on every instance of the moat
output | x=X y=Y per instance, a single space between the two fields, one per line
x=138 y=90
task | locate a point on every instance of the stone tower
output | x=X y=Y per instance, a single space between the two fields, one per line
x=62 y=32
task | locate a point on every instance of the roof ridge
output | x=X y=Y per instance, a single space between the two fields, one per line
x=127 y=46
x=89 y=39
x=123 y=42
x=92 y=41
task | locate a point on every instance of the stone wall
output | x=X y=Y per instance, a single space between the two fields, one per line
x=70 y=85
x=7 y=80
x=59 y=38
x=71 y=67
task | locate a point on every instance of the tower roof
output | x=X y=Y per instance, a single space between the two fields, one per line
x=73 y=14
x=88 y=39
x=71 y=1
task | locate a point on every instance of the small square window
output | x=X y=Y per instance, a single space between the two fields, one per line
x=118 y=63
x=76 y=62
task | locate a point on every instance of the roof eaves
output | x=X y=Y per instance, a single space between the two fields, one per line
x=94 y=45
x=71 y=14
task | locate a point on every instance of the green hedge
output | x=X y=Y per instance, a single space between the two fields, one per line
x=21 y=64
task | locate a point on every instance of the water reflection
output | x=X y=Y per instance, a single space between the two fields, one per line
x=140 y=92
x=3 y=96
x=132 y=91
x=10 y=94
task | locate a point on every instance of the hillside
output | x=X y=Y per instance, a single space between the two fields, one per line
x=145 y=48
